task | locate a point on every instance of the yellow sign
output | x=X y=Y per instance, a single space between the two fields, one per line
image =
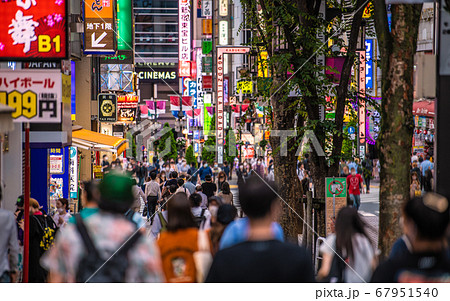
x=246 y=86
x=263 y=70
x=207 y=26
x=368 y=11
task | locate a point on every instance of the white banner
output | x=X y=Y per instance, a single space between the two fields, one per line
x=73 y=173
x=35 y=95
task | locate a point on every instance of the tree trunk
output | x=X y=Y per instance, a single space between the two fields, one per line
x=395 y=141
x=285 y=170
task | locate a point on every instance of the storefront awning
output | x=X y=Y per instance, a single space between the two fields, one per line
x=98 y=142
x=423 y=108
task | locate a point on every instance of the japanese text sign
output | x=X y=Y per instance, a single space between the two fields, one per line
x=369 y=64
x=362 y=94
x=184 y=36
x=107 y=107
x=73 y=172
x=33 y=29
x=56 y=156
x=35 y=95
x=207 y=8
x=99 y=24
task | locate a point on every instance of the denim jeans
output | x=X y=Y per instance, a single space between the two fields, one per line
x=355 y=198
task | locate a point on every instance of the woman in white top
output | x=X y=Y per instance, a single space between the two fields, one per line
x=353 y=245
x=62 y=215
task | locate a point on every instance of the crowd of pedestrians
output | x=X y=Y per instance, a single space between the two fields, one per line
x=173 y=222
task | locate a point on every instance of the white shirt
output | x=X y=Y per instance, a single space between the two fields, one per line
x=65 y=217
x=183 y=190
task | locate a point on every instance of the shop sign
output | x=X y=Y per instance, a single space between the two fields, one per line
x=207 y=82
x=223 y=8
x=192 y=91
x=107 y=108
x=207 y=64
x=369 y=63
x=206 y=46
x=245 y=86
x=99 y=27
x=223 y=32
x=56 y=158
x=98 y=174
x=33 y=29
x=362 y=94
x=184 y=34
x=199 y=101
x=122 y=57
x=35 y=95
x=207 y=8
x=263 y=69
x=155 y=75
x=124 y=25
x=73 y=173
x=207 y=27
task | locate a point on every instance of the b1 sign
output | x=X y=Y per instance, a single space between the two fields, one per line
x=33 y=29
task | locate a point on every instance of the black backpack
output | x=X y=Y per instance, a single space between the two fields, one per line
x=199 y=220
x=93 y=268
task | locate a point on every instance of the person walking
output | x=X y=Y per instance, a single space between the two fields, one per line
x=261 y=258
x=152 y=196
x=209 y=188
x=227 y=171
x=199 y=190
x=355 y=185
x=367 y=168
x=108 y=235
x=221 y=178
x=178 y=244
x=241 y=174
x=193 y=173
x=348 y=255
x=62 y=215
x=9 y=247
x=225 y=194
x=425 y=223
x=225 y=215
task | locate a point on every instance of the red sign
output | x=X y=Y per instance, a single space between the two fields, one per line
x=33 y=29
x=184 y=69
x=207 y=82
x=128 y=98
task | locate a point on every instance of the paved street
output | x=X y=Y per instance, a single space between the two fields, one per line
x=370 y=210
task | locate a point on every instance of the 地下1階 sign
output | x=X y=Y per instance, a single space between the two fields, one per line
x=107 y=107
x=33 y=29
x=99 y=27
x=35 y=95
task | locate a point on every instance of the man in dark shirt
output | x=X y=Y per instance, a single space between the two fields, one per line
x=209 y=188
x=261 y=258
x=425 y=221
x=226 y=170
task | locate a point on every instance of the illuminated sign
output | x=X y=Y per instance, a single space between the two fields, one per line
x=207 y=26
x=35 y=95
x=220 y=94
x=223 y=32
x=33 y=29
x=73 y=172
x=99 y=27
x=166 y=75
x=223 y=8
x=124 y=25
x=184 y=37
x=263 y=69
x=107 y=108
x=127 y=105
x=56 y=158
x=362 y=94
x=369 y=64
x=245 y=86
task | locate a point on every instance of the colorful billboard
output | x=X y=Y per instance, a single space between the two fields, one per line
x=31 y=29
x=124 y=25
x=184 y=38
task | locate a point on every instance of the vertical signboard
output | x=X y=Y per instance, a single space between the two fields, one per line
x=124 y=25
x=31 y=29
x=337 y=188
x=73 y=173
x=223 y=32
x=220 y=95
x=207 y=8
x=56 y=158
x=199 y=102
x=223 y=8
x=362 y=103
x=99 y=27
x=184 y=37
x=369 y=63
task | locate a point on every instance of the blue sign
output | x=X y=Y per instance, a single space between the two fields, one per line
x=193 y=92
x=351 y=130
x=195 y=147
x=369 y=64
x=196 y=134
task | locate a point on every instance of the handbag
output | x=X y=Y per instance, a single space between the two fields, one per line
x=203 y=257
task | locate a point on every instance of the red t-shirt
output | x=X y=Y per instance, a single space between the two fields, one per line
x=353 y=184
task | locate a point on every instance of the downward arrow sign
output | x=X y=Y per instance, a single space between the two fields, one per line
x=96 y=42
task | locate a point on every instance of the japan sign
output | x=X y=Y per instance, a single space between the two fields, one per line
x=107 y=107
x=99 y=27
x=73 y=172
x=56 y=156
x=35 y=95
x=184 y=37
x=33 y=29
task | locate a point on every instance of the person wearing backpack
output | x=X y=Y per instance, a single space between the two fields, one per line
x=180 y=244
x=201 y=215
x=106 y=247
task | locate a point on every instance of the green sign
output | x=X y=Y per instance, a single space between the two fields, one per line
x=124 y=25
x=206 y=46
x=207 y=64
x=340 y=187
x=206 y=119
